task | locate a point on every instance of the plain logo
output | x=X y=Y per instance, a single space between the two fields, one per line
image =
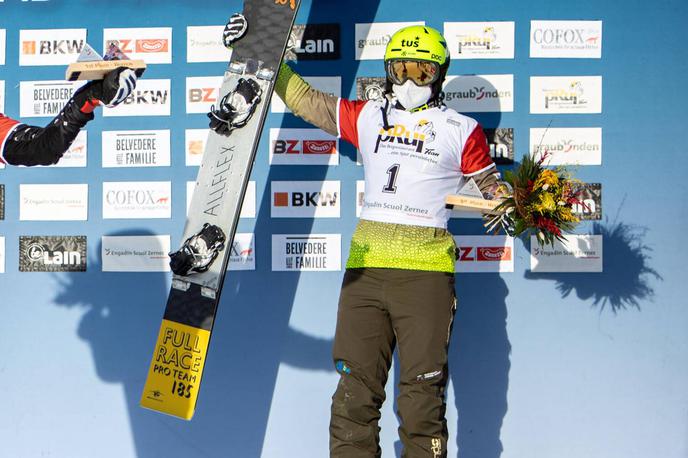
x=52 y=253
x=501 y=143
x=314 y=42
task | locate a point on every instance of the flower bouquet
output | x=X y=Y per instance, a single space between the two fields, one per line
x=536 y=200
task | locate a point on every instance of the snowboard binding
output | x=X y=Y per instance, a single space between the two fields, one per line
x=198 y=251
x=235 y=108
x=236 y=27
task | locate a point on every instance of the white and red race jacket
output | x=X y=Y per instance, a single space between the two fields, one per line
x=411 y=168
x=7 y=125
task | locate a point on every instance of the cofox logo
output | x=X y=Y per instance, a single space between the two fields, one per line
x=238 y=251
x=305 y=199
x=563 y=36
x=134 y=197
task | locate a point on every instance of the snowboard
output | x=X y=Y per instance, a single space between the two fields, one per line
x=176 y=368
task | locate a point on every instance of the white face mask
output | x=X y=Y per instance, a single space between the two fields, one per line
x=410 y=95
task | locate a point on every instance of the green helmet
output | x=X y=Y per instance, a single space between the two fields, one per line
x=427 y=48
x=418 y=42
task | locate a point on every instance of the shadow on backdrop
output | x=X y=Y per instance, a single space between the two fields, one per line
x=251 y=338
x=626 y=279
x=122 y=315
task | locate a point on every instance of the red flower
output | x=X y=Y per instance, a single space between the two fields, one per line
x=544 y=156
x=547 y=225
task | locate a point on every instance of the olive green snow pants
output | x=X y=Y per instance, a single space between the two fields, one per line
x=379 y=308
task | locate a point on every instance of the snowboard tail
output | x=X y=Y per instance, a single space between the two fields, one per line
x=176 y=369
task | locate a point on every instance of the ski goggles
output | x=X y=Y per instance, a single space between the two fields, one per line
x=422 y=73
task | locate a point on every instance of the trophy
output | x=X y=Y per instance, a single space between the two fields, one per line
x=91 y=66
x=470 y=199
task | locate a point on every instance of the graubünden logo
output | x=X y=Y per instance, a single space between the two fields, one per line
x=478 y=93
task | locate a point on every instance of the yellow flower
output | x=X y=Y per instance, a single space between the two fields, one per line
x=546 y=203
x=565 y=214
x=546 y=179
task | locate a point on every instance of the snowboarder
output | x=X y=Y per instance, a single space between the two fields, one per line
x=398 y=288
x=21 y=144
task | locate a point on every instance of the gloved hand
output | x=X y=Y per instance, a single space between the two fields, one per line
x=117 y=86
x=498 y=190
x=111 y=91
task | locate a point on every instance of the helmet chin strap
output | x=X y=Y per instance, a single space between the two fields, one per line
x=391 y=101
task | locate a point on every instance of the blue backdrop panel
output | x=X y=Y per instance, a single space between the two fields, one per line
x=542 y=365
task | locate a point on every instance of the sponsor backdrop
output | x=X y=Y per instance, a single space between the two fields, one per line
x=545 y=339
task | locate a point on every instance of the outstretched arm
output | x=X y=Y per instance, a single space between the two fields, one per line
x=32 y=145
x=313 y=106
